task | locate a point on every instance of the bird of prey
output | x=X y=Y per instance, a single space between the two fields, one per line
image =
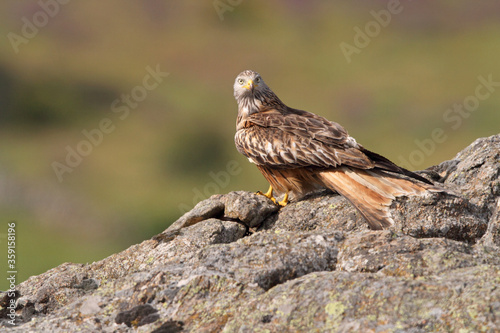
x=298 y=152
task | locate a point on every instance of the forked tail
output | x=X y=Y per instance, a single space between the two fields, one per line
x=372 y=191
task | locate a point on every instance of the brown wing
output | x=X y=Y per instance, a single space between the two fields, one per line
x=297 y=139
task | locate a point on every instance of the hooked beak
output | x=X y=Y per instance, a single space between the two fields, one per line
x=250 y=85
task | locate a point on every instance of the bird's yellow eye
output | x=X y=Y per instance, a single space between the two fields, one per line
x=241 y=81
x=257 y=79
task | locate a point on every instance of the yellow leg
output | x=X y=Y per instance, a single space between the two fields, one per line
x=268 y=194
x=283 y=202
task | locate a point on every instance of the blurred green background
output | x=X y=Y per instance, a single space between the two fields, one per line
x=66 y=67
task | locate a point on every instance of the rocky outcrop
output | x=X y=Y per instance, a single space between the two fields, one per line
x=236 y=263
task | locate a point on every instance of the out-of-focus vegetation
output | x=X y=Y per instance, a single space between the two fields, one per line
x=175 y=146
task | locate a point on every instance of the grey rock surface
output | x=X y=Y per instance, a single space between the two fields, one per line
x=238 y=263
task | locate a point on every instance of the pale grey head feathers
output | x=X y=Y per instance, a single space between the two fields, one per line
x=247 y=83
x=251 y=92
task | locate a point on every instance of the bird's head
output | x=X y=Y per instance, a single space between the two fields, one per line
x=251 y=92
x=248 y=83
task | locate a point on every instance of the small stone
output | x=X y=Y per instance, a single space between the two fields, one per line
x=91 y=305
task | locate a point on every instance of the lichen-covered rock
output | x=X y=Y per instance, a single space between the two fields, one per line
x=324 y=211
x=249 y=209
x=440 y=215
x=492 y=236
x=366 y=302
x=270 y=258
x=238 y=263
x=476 y=172
x=393 y=255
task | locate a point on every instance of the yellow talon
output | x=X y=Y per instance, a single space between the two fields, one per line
x=268 y=194
x=284 y=202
